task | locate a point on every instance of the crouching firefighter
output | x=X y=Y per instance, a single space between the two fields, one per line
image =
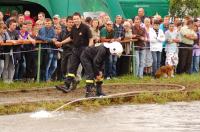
x=92 y=60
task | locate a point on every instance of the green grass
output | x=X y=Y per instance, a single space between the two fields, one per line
x=184 y=79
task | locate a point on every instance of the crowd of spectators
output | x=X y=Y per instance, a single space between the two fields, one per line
x=157 y=41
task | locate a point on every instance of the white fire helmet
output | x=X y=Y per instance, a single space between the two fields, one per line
x=115 y=48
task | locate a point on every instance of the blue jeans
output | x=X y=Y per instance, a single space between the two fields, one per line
x=156 y=55
x=195 y=64
x=51 y=64
x=110 y=66
x=140 y=61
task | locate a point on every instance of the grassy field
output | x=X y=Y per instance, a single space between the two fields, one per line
x=190 y=81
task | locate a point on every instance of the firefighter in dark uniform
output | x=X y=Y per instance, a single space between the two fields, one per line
x=92 y=60
x=81 y=37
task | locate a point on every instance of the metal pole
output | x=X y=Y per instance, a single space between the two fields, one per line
x=133 y=59
x=39 y=60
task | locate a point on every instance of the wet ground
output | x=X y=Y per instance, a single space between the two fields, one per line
x=51 y=94
x=171 y=117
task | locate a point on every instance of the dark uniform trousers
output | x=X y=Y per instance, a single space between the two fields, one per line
x=75 y=60
x=65 y=60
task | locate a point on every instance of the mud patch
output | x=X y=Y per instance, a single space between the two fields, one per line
x=52 y=94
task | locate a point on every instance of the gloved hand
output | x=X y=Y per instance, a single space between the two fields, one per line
x=99 y=77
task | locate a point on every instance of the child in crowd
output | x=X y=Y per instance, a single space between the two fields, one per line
x=172 y=38
x=196 y=52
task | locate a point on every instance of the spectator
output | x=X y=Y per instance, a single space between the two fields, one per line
x=2 y=40
x=41 y=16
x=164 y=27
x=130 y=21
x=158 y=17
x=39 y=24
x=118 y=36
x=139 y=33
x=11 y=59
x=156 y=37
x=196 y=52
x=20 y=21
x=63 y=22
x=128 y=35
x=198 y=23
x=20 y=67
x=141 y=14
x=6 y=15
x=118 y=28
x=14 y=15
x=49 y=64
x=188 y=36
x=173 y=38
x=58 y=72
x=95 y=30
x=88 y=21
x=27 y=16
x=28 y=58
x=29 y=25
x=106 y=18
x=1 y=17
x=107 y=35
x=186 y=19
x=148 y=57
x=56 y=22
x=176 y=21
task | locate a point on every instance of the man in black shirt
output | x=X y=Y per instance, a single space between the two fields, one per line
x=81 y=37
x=67 y=47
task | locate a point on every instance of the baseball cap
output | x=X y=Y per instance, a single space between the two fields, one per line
x=56 y=16
x=109 y=22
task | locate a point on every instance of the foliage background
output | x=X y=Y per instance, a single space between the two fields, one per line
x=184 y=7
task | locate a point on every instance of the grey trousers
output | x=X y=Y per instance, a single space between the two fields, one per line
x=9 y=69
x=1 y=67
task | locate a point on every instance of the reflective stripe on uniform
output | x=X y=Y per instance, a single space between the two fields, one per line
x=89 y=81
x=70 y=75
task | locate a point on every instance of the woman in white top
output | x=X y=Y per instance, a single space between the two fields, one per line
x=156 y=37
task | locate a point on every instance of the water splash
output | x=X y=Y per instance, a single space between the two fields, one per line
x=41 y=114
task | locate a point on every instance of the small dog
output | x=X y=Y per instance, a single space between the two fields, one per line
x=165 y=71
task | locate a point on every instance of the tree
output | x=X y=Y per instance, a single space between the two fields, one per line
x=181 y=8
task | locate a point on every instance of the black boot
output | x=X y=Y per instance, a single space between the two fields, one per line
x=99 y=91
x=90 y=90
x=68 y=85
x=74 y=84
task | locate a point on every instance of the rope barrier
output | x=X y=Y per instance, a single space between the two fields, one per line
x=28 y=42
